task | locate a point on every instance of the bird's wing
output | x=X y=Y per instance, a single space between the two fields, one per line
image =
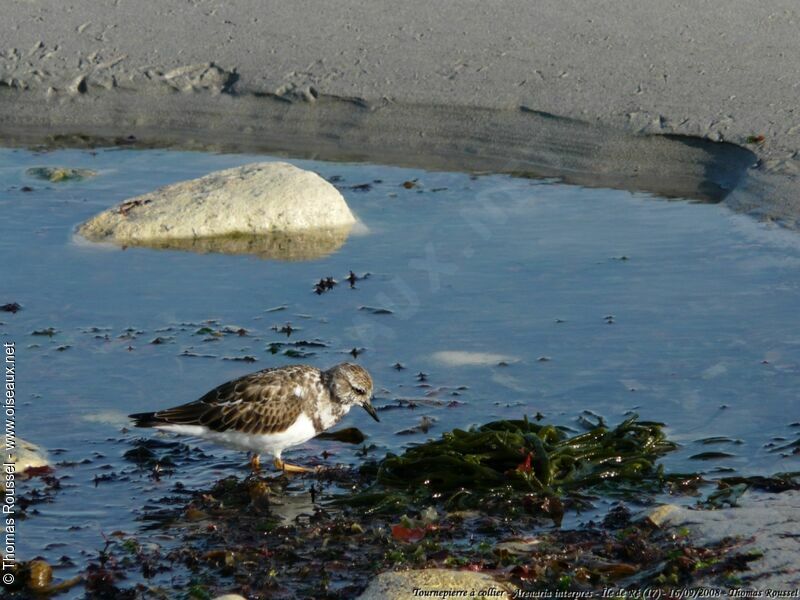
x=259 y=403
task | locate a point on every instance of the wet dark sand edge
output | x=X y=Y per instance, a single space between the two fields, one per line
x=519 y=141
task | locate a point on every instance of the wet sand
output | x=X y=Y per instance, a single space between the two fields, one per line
x=557 y=89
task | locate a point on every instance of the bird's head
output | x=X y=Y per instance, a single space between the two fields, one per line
x=351 y=384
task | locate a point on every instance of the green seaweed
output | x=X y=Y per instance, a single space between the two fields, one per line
x=504 y=461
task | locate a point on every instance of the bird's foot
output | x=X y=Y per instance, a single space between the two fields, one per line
x=288 y=468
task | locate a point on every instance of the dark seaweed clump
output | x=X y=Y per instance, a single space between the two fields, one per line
x=510 y=464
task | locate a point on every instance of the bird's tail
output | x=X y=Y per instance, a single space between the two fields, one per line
x=147 y=419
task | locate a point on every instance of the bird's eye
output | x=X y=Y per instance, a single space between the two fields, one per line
x=359 y=391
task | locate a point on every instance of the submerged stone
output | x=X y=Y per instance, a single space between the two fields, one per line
x=461 y=358
x=274 y=210
x=58 y=174
x=295 y=245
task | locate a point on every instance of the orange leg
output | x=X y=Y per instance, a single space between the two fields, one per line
x=287 y=468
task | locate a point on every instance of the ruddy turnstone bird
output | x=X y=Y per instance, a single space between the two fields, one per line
x=270 y=410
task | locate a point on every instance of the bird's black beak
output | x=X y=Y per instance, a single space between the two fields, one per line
x=371 y=410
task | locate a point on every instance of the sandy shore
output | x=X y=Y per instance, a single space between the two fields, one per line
x=555 y=87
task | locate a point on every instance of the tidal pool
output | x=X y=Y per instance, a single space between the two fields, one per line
x=498 y=296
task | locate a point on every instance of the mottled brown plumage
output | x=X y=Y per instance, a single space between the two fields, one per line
x=271 y=409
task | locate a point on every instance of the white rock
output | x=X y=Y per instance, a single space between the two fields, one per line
x=401 y=585
x=661 y=516
x=27 y=456
x=230 y=597
x=272 y=209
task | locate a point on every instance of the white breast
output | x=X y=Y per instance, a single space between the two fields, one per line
x=328 y=418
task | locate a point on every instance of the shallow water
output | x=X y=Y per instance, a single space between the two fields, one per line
x=565 y=299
